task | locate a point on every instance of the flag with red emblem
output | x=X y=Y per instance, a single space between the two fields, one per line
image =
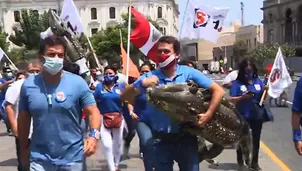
x=144 y=36
x=201 y=21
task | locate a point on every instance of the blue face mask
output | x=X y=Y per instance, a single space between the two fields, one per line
x=53 y=65
x=110 y=79
x=9 y=76
x=250 y=75
x=100 y=78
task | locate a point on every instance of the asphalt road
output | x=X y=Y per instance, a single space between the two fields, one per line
x=276 y=136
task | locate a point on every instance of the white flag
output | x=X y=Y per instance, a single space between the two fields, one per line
x=1 y=54
x=201 y=21
x=279 y=78
x=69 y=15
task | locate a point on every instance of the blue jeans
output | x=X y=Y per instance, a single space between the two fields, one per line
x=146 y=144
x=169 y=148
x=44 y=166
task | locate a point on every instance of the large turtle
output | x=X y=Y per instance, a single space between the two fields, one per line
x=182 y=102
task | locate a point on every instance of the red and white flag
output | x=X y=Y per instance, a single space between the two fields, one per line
x=145 y=36
x=279 y=78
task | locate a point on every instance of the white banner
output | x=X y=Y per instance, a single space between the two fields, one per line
x=279 y=78
x=202 y=21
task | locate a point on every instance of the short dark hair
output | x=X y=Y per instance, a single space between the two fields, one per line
x=187 y=62
x=171 y=40
x=149 y=64
x=50 y=41
x=114 y=69
x=21 y=73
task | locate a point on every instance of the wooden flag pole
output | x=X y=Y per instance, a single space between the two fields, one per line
x=263 y=97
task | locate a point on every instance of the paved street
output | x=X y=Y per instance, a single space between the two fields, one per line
x=277 y=154
x=227 y=160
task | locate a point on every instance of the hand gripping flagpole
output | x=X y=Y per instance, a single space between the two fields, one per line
x=128 y=41
x=10 y=61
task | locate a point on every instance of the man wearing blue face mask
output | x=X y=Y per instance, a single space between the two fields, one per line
x=4 y=84
x=56 y=110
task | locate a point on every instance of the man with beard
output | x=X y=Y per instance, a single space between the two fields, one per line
x=169 y=143
x=54 y=100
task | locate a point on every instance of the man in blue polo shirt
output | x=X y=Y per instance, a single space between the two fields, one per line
x=54 y=100
x=169 y=144
x=296 y=117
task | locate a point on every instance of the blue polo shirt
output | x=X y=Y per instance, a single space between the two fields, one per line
x=57 y=136
x=141 y=107
x=245 y=106
x=2 y=92
x=109 y=101
x=161 y=122
x=297 y=101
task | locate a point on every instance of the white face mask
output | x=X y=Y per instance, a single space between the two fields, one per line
x=53 y=65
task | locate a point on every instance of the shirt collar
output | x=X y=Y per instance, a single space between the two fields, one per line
x=162 y=76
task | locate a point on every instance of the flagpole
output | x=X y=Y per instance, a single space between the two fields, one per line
x=183 y=18
x=9 y=60
x=128 y=41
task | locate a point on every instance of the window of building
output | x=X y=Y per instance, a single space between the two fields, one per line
x=270 y=18
x=162 y=30
x=36 y=12
x=112 y=12
x=17 y=16
x=93 y=13
x=159 y=12
x=255 y=42
x=270 y=36
x=94 y=31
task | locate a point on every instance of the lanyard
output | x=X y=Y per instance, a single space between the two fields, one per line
x=48 y=96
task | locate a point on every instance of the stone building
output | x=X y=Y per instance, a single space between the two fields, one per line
x=282 y=22
x=95 y=14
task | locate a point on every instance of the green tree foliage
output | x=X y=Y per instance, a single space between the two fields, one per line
x=31 y=25
x=3 y=43
x=265 y=51
x=240 y=50
x=107 y=41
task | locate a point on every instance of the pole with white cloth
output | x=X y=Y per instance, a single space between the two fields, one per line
x=2 y=54
x=128 y=41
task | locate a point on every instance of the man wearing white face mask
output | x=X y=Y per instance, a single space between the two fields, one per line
x=54 y=100
x=12 y=103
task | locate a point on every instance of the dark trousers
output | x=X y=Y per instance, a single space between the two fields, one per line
x=131 y=132
x=20 y=166
x=256 y=127
x=182 y=149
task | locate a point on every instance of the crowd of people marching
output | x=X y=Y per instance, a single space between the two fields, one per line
x=49 y=109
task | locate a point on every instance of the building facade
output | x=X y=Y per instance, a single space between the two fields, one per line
x=252 y=35
x=95 y=14
x=282 y=22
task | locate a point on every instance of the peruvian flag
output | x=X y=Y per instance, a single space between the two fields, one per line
x=145 y=36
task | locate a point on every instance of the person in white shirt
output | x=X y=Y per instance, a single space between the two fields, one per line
x=227 y=82
x=12 y=103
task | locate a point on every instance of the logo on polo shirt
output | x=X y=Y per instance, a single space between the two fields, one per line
x=60 y=97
